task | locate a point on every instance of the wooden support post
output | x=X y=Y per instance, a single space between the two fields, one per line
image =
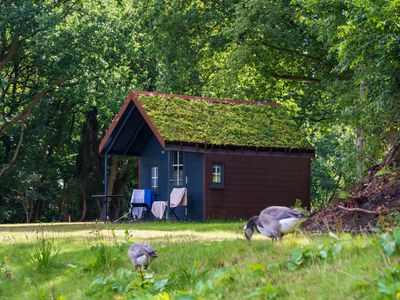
x=105 y=186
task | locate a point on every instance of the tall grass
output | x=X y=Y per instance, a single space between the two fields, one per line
x=44 y=255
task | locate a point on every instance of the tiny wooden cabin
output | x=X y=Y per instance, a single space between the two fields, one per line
x=234 y=157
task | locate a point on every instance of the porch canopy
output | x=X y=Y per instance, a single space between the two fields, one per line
x=128 y=133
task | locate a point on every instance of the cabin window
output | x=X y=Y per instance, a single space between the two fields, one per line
x=177 y=168
x=217 y=178
x=154 y=178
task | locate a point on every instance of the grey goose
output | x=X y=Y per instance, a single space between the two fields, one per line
x=141 y=255
x=273 y=222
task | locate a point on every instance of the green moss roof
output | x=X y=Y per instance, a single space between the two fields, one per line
x=198 y=121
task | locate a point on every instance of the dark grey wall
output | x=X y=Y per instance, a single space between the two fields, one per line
x=195 y=186
x=154 y=155
x=193 y=181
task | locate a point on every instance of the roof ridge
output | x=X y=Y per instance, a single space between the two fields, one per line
x=217 y=100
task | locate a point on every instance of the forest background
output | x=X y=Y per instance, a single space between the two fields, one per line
x=66 y=66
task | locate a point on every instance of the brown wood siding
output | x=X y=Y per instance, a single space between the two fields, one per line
x=253 y=182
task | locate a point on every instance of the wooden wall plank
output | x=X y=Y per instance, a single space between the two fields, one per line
x=255 y=182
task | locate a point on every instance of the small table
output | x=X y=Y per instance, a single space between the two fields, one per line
x=106 y=201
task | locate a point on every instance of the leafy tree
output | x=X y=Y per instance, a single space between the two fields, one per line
x=69 y=57
x=362 y=36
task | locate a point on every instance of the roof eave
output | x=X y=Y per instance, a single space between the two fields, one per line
x=205 y=147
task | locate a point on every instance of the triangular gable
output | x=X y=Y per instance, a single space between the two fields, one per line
x=118 y=126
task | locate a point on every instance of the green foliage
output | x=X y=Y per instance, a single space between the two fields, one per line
x=389 y=285
x=329 y=250
x=360 y=37
x=187 y=274
x=102 y=258
x=301 y=257
x=268 y=291
x=389 y=282
x=127 y=283
x=333 y=168
x=69 y=55
x=343 y=195
x=5 y=272
x=390 y=242
x=384 y=171
x=44 y=256
x=390 y=220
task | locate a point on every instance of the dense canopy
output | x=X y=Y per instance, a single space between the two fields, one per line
x=219 y=123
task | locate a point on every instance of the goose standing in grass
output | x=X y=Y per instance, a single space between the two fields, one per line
x=141 y=256
x=273 y=222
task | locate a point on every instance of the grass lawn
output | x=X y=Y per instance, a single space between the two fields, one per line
x=195 y=261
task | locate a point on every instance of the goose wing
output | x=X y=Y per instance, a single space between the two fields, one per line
x=267 y=220
x=149 y=249
x=258 y=223
x=137 y=250
x=270 y=225
x=280 y=212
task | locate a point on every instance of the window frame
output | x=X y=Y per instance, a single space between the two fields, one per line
x=221 y=174
x=157 y=177
x=178 y=165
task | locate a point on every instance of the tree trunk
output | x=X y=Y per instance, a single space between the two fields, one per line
x=126 y=181
x=360 y=141
x=113 y=174
x=111 y=182
x=84 y=205
x=27 y=205
x=61 y=201
x=37 y=210
x=360 y=144
x=393 y=157
x=89 y=163
x=9 y=165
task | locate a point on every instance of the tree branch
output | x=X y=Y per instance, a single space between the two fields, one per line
x=298 y=53
x=378 y=211
x=35 y=102
x=27 y=112
x=11 y=50
x=296 y=78
x=394 y=153
x=8 y=166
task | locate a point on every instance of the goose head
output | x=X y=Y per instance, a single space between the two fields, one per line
x=248 y=229
x=152 y=255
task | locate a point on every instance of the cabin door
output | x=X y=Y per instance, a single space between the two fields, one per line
x=178 y=177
